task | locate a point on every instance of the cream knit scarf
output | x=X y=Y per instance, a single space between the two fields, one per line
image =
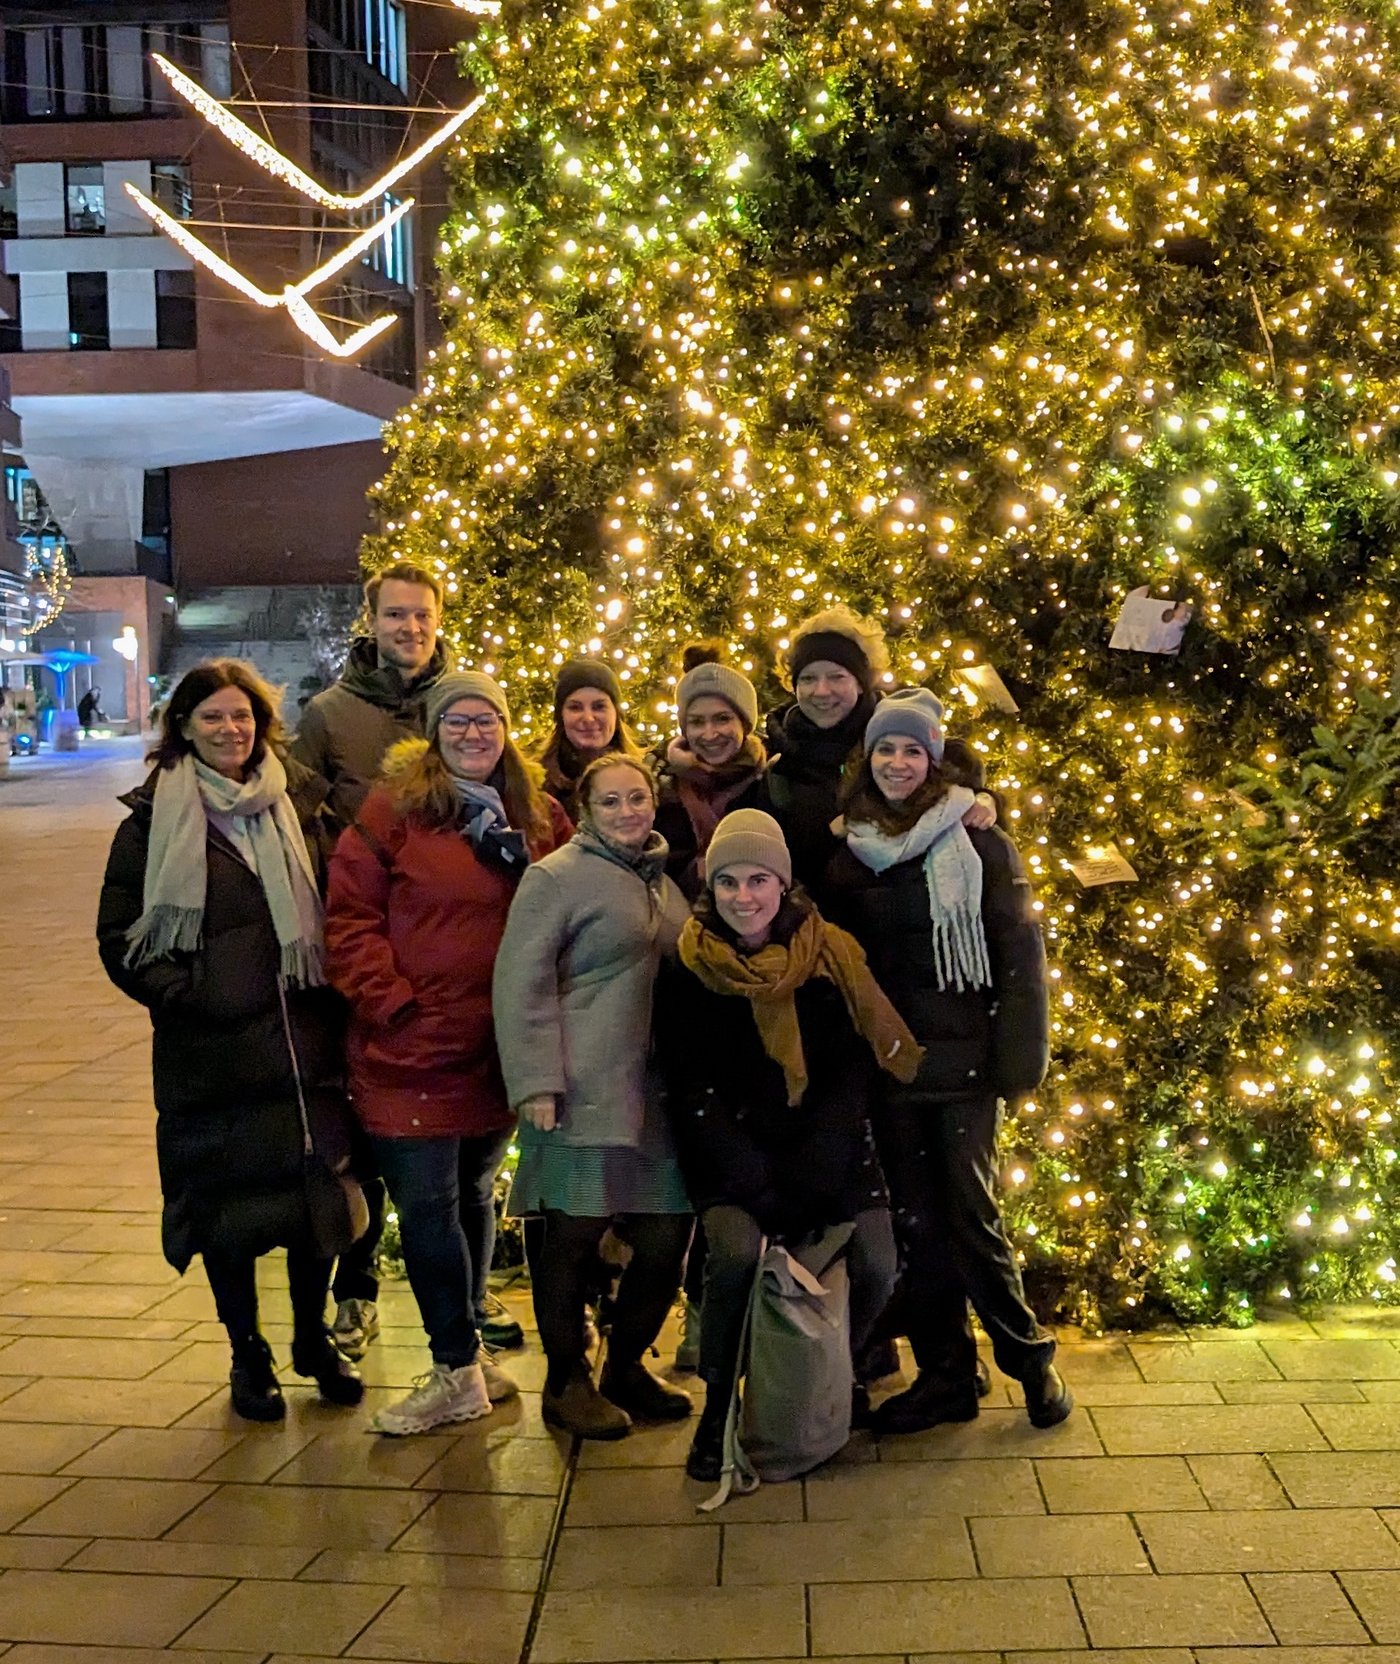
x=953 y=873
x=172 y=918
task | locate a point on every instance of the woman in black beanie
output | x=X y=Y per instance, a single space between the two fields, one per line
x=834 y=661
x=587 y=723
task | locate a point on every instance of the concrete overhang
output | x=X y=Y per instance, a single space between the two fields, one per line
x=171 y=429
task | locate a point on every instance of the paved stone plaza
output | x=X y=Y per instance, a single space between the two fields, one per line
x=1218 y=1498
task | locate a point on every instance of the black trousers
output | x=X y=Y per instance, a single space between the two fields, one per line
x=357 y=1269
x=694 y=1285
x=940 y=1165
x=733 y=1241
x=233 y=1280
x=565 y=1262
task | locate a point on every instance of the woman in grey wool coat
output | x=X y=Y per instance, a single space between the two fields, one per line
x=573 y=998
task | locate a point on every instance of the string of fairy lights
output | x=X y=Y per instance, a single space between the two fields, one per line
x=979 y=317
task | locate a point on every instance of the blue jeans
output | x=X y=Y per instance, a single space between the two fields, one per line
x=441 y=1191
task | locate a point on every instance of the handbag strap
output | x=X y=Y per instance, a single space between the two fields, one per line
x=307 y=1146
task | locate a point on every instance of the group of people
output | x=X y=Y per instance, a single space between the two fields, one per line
x=763 y=982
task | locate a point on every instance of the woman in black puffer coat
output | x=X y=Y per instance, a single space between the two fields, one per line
x=210 y=918
x=945 y=914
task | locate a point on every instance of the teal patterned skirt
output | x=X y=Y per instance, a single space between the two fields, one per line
x=595 y=1181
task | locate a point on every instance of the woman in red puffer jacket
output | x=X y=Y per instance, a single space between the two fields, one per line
x=420 y=887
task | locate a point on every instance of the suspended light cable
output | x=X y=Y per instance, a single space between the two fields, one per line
x=267 y=156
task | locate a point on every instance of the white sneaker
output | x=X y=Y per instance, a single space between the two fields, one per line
x=499 y=1385
x=442 y=1395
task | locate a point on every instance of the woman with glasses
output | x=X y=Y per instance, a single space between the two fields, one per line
x=573 y=994
x=419 y=892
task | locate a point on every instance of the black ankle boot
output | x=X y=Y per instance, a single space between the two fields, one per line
x=706 y=1458
x=1048 y=1399
x=318 y=1358
x=931 y=1401
x=252 y=1382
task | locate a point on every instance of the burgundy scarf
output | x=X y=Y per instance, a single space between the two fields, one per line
x=706 y=793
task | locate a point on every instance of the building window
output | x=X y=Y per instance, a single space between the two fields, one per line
x=11 y=336
x=87 y=312
x=175 y=311
x=9 y=209
x=62 y=72
x=172 y=188
x=357 y=125
x=385 y=40
x=393 y=355
x=373 y=29
x=155 y=511
x=86 y=198
x=392 y=254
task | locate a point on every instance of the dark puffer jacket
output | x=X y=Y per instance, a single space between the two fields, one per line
x=985 y=1041
x=228 y=1127
x=345 y=732
x=795 y=1169
x=804 y=781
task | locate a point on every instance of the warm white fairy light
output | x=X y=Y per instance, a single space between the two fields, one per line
x=293 y=297
x=315 y=330
x=267 y=156
x=479 y=8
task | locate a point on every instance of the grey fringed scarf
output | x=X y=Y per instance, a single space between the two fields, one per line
x=953 y=871
x=172 y=917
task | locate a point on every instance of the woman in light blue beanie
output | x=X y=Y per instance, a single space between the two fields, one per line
x=945 y=915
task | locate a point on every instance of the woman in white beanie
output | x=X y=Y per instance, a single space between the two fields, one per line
x=573 y=1001
x=945 y=913
x=420 y=887
x=772 y=1035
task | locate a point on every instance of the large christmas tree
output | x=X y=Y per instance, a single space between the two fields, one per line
x=980 y=315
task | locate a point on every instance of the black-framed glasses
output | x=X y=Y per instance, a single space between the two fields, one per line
x=486 y=724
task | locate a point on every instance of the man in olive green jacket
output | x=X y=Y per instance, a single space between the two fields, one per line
x=343 y=736
x=345 y=731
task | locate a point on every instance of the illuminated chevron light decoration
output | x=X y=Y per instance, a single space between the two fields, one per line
x=293 y=298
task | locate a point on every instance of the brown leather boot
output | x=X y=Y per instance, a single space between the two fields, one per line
x=579 y=1408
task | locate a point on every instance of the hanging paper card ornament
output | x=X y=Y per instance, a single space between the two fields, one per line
x=1103 y=864
x=1150 y=623
x=979 y=684
x=1253 y=815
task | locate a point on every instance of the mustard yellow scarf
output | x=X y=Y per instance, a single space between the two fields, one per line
x=770 y=978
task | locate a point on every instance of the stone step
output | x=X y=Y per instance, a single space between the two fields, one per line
x=252 y=612
x=282 y=663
